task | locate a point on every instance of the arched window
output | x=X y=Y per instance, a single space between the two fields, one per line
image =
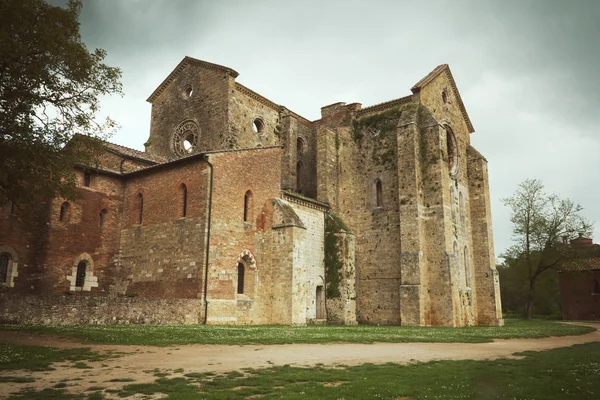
x=241 y=271
x=11 y=207
x=81 y=272
x=4 y=259
x=452 y=149
x=461 y=207
x=248 y=206
x=139 y=208
x=182 y=200
x=299 y=168
x=379 y=192
x=87 y=178
x=102 y=217
x=65 y=212
x=466 y=266
x=300 y=145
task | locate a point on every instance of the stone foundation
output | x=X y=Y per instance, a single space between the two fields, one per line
x=86 y=310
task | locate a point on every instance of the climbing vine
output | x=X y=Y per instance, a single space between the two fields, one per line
x=333 y=255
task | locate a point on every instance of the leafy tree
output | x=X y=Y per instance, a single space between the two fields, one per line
x=514 y=287
x=542 y=223
x=50 y=86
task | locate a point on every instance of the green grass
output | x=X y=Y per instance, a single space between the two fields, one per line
x=570 y=373
x=38 y=358
x=214 y=334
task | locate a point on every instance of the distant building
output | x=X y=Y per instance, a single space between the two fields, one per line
x=580 y=283
x=241 y=211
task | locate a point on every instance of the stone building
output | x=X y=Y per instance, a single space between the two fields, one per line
x=580 y=282
x=242 y=211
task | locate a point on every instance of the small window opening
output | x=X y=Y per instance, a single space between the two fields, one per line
x=182 y=200
x=248 y=206
x=320 y=300
x=466 y=266
x=258 y=126
x=11 y=207
x=4 y=268
x=189 y=91
x=299 y=168
x=80 y=277
x=452 y=151
x=188 y=143
x=461 y=207
x=444 y=97
x=241 y=271
x=596 y=286
x=140 y=208
x=65 y=212
x=300 y=145
x=87 y=179
x=379 y=193
x=102 y=218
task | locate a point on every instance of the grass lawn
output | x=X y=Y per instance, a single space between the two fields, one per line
x=227 y=334
x=38 y=358
x=566 y=373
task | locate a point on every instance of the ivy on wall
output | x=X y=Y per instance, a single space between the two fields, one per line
x=333 y=255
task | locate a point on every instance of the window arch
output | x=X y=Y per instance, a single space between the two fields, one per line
x=299 y=171
x=452 y=150
x=139 y=208
x=183 y=193
x=240 y=281
x=466 y=267
x=8 y=265
x=379 y=192
x=65 y=212
x=461 y=207
x=102 y=217
x=81 y=274
x=4 y=260
x=248 y=206
x=300 y=145
x=87 y=178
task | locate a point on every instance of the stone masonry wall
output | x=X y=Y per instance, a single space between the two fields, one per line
x=236 y=173
x=75 y=310
x=206 y=106
x=49 y=252
x=342 y=309
x=307 y=263
x=163 y=257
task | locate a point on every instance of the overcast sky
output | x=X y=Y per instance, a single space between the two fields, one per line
x=527 y=70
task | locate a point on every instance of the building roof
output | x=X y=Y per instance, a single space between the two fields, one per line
x=584 y=264
x=132 y=153
x=444 y=68
x=182 y=64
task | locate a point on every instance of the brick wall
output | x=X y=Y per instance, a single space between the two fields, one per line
x=577 y=296
x=163 y=257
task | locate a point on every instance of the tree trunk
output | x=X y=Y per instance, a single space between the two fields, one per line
x=529 y=308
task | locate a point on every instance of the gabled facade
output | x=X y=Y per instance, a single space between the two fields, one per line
x=241 y=211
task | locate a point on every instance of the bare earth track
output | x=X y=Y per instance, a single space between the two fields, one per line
x=139 y=361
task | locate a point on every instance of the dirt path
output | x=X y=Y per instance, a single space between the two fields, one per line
x=140 y=361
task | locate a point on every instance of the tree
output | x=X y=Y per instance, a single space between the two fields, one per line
x=542 y=224
x=50 y=86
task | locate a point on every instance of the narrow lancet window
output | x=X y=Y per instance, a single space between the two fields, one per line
x=139 y=208
x=240 y=286
x=183 y=200
x=65 y=212
x=379 y=192
x=248 y=206
x=81 y=271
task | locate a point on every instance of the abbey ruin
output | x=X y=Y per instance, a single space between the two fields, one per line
x=240 y=211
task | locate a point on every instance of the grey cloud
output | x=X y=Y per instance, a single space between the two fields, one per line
x=526 y=69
